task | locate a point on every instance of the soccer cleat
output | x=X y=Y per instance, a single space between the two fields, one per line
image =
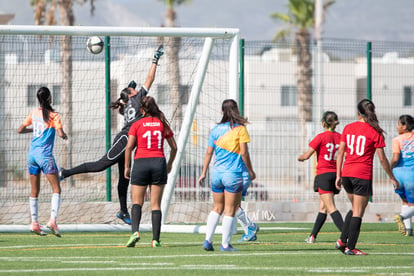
x=124 y=217
x=133 y=239
x=354 y=252
x=251 y=236
x=228 y=248
x=254 y=228
x=400 y=223
x=409 y=232
x=60 y=173
x=36 y=229
x=340 y=245
x=156 y=243
x=310 y=239
x=208 y=246
x=54 y=228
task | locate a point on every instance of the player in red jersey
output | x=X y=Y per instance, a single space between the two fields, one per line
x=150 y=167
x=325 y=145
x=359 y=142
x=128 y=105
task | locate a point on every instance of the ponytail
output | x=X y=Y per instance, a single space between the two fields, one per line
x=330 y=119
x=44 y=97
x=366 y=109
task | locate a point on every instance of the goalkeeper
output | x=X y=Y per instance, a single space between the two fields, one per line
x=128 y=105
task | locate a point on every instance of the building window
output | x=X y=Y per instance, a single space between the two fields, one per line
x=164 y=94
x=31 y=95
x=408 y=95
x=32 y=92
x=288 y=95
x=56 y=94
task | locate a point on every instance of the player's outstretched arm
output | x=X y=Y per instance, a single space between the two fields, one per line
x=151 y=74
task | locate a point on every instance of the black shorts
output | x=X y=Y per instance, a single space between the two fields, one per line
x=146 y=171
x=357 y=186
x=326 y=182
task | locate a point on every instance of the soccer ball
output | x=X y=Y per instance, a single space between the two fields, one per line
x=94 y=45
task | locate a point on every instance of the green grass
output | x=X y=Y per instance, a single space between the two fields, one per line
x=278 y=251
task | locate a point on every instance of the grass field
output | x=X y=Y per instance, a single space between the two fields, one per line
x=279 y=250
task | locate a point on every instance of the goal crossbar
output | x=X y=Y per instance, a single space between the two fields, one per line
x=222 y=33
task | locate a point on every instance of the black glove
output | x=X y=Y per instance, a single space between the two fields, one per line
x=132 y=84
x=158 y=54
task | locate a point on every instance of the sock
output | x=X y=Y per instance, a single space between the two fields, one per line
x=407 y=220
x=244 y=220
x=337 y=219
x=234 y=226
x=227 y=234
x=34 y=208
x=345 y=227
x=212 y=221
x=320 y=220
x=407 y=212
x=354 y=229
x=135 y=217
x=156 y=224
x=55 y=204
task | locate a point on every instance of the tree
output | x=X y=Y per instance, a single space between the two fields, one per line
x=172 y=51
x=44 y=14
x=300 y=18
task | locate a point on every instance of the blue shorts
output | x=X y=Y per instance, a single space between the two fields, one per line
x=246 y=182
x=226 y=181
x=405 y=176
x=38 y=163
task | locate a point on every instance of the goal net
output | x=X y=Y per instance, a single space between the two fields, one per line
x=198 y=71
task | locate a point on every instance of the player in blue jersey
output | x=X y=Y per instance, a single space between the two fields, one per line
x=45 y=123
x=228 y=141
x=128 y=105
x=402 y=163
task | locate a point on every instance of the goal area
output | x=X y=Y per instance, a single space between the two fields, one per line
x=199 y=70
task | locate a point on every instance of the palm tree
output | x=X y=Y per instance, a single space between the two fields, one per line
x=172 y=50
x=300 y=18
x=44 y=13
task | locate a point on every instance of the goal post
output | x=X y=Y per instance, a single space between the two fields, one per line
x=208 y=73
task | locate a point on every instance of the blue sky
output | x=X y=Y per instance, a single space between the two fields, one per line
x=351 y=19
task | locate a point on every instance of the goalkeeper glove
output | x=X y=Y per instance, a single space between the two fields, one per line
x=158 y=54
x=132 y=84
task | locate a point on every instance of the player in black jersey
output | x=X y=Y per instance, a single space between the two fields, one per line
x=128 y=105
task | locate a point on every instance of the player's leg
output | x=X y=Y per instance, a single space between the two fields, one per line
x=319 y=222
x=358 y=208
x=156 y=196
x=233 y=183
x=137 y=194
x=231 y=201
x=159 y=179
x=110 y=158
x=123 y=184
x=249 y=227
x=55 y=203
x=329 y=202
x=34 y=204
x=213 y=217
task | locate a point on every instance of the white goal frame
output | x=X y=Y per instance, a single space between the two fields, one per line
x=210 y=34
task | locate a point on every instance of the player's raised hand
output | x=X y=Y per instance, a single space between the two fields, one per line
x=158 y=53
